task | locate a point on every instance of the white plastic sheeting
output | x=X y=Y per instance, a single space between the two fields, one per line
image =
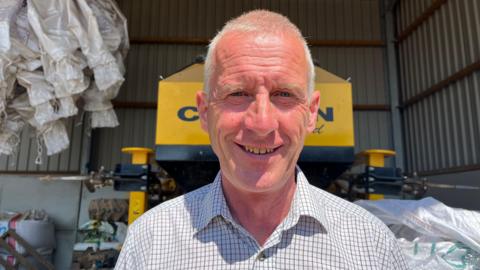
x=431 y=234
x=53 y=53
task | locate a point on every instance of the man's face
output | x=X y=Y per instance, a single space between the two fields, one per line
x=258 y=112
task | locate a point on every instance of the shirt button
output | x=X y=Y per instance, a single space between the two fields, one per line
x=261 y=257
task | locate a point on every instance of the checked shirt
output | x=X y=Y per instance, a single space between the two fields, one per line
x=321 y=231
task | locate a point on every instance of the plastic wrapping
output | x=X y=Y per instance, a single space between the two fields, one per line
x=25 y=41
x=98 y=103
x=38 y=89
x=10 y=134
x=62 y=68
x=55 y=137
x=49 y=20
x=65 y=75
x=21 y=106
x=439 y=255
x=8 y=11
x=106 y=118
x=54 y=110
x=430 y=223
x=112 y=25
x=100 y=60
x=57 y=49
x=96 y=100
x=51 y=132
x=7 y=77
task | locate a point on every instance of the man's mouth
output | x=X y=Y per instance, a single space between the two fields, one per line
x=258 y=150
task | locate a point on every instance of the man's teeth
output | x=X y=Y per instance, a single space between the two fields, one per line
x=258 y=151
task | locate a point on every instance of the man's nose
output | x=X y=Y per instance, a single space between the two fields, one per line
x=261 y=117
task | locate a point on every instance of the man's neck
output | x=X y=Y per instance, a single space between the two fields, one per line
x=259 y=213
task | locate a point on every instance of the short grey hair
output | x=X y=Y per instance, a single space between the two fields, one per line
x=258 y=21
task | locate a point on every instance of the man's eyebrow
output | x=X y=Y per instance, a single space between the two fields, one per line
x=292 y=86
x=230 y=87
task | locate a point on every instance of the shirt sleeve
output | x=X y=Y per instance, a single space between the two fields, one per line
x=396 y=257
x=128 y=257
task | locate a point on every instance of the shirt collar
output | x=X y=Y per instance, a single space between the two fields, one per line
x=304 y=204
x=213 y=204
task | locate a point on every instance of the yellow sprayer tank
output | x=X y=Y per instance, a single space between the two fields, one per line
x=183 y=148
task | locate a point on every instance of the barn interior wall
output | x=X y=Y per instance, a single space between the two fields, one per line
x=439 y=77
x=340 y=20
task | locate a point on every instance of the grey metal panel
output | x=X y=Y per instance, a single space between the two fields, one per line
x=322 y=19
x=408 y=140
x=145 y=65
x=137 y=129
x=373 y=131
x=474 y=97
x=456 y=37
x=442 y=130
x=467 y=199
x=364 y=66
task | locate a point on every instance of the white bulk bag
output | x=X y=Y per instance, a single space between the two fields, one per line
x=100 y=60
x=50 y=20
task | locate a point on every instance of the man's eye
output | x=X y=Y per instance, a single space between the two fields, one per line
x=238 y=94
x=282 y=94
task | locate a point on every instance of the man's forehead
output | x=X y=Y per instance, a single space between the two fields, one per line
x=256 y=41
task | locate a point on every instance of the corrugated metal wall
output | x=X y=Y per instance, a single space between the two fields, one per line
x=441 y=97
x=182 y=19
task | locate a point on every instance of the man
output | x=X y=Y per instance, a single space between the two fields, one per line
x=258 y=105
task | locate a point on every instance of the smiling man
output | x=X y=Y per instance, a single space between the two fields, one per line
x=258 y=105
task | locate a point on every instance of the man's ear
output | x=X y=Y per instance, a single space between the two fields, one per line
x=202 y=108
x=313 y=110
